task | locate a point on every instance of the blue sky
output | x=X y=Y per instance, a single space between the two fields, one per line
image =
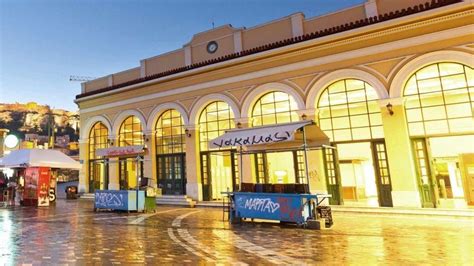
x=43 y=42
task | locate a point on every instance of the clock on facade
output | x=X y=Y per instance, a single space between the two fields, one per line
x=212 y=47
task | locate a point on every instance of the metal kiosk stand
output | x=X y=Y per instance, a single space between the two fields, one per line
x=300 y=209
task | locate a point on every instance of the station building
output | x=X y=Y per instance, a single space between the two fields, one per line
x=391 y=83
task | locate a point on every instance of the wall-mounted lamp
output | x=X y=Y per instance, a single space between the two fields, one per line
x=186 y=131
x=389 y=108
x=239 y=125
x=145 y=138
x=304 y=116
x=111 y=142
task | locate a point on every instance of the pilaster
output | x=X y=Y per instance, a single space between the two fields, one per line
x=193 y=164
x=400 y=157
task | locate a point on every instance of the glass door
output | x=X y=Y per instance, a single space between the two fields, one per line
x=128 y=173
x=382 y=173
x=171 y=174
x=426 y=183
x=333 y=179
x=218 y=174
x=98 y=175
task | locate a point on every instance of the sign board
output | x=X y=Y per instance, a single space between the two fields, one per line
x=272 y=206
x=258 y=135
x=120 y=151
x=43 y=186
x=124 y=200
x=36 y=190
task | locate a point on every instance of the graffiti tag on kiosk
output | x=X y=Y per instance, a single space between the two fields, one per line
x=261 y=205
x=109 y=199
x=253 y=140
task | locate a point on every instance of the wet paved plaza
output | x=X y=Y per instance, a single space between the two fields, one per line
x=71 y=233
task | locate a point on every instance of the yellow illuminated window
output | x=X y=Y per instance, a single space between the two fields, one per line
x=215 y=119
x=97 y=139
x=439 y=99
x=170 y=133
x=274 y=108
x=130 y=132
x=348 y=110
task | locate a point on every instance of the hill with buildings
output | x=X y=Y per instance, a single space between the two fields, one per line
x=33 y=118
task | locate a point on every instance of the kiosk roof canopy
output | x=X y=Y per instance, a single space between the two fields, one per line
x=281 y=136
x=39 y=158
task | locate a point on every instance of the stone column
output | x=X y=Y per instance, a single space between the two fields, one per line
x=193 y=163
x=113 y=166
x=149 y=164
x=400 y=157
x=83 y=186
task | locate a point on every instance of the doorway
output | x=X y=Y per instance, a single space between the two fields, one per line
x=219 y=174
x=364 y=174
x=445 y=170
x=98 y=175
x=128 y=172
x=172 y=173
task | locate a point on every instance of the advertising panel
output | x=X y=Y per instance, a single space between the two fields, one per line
x=31 y=186
x=43 y=186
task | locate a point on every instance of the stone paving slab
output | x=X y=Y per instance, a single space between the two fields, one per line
x=70 y=233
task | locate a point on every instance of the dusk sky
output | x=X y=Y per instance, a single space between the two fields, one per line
x=42 y=43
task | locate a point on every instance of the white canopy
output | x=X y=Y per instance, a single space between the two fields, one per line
x=39 y=158
x=271 y=136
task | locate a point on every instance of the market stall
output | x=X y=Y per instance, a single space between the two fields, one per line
x=34 y=168
x=135 y=194
x=259 y=201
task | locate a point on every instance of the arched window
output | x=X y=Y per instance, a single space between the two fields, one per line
x=98 y=170
x=274 y=108
x=348 y=110
x=215 y=119
x=130 y=132
x=170 y=133
x=440 y=99
x=97 y=139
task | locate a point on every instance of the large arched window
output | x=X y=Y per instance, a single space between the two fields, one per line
x=440 y=100
x=348 y=110
x=131 y=132
x=170 y=133
x=97 y=139
x=215 y=119
x=274 y=108
x=98 y=170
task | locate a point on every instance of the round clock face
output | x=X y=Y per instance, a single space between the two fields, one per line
x=212 y=47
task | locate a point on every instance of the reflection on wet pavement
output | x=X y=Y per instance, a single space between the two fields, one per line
x=71 y=233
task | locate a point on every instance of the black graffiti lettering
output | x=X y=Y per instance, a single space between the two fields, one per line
x=246 y=141
x=238 y=142
x=281 y=138
x=257 y=141
x=218 y=144
x=228 y=142
x=269 y=138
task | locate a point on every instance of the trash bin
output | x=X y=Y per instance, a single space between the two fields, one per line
x=71 y=192
x=325 y=213
x=150 y=199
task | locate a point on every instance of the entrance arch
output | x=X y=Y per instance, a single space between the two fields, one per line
x=130 y=133
x=219 y=169
x=170 y=152
x=98 y=166
x=357 y=171
x=439 y=105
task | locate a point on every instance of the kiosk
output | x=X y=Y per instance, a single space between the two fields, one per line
x=35 y=168
x=123 y=200
x=257 y=202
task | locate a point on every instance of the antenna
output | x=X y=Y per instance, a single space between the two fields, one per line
x=80 y=78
